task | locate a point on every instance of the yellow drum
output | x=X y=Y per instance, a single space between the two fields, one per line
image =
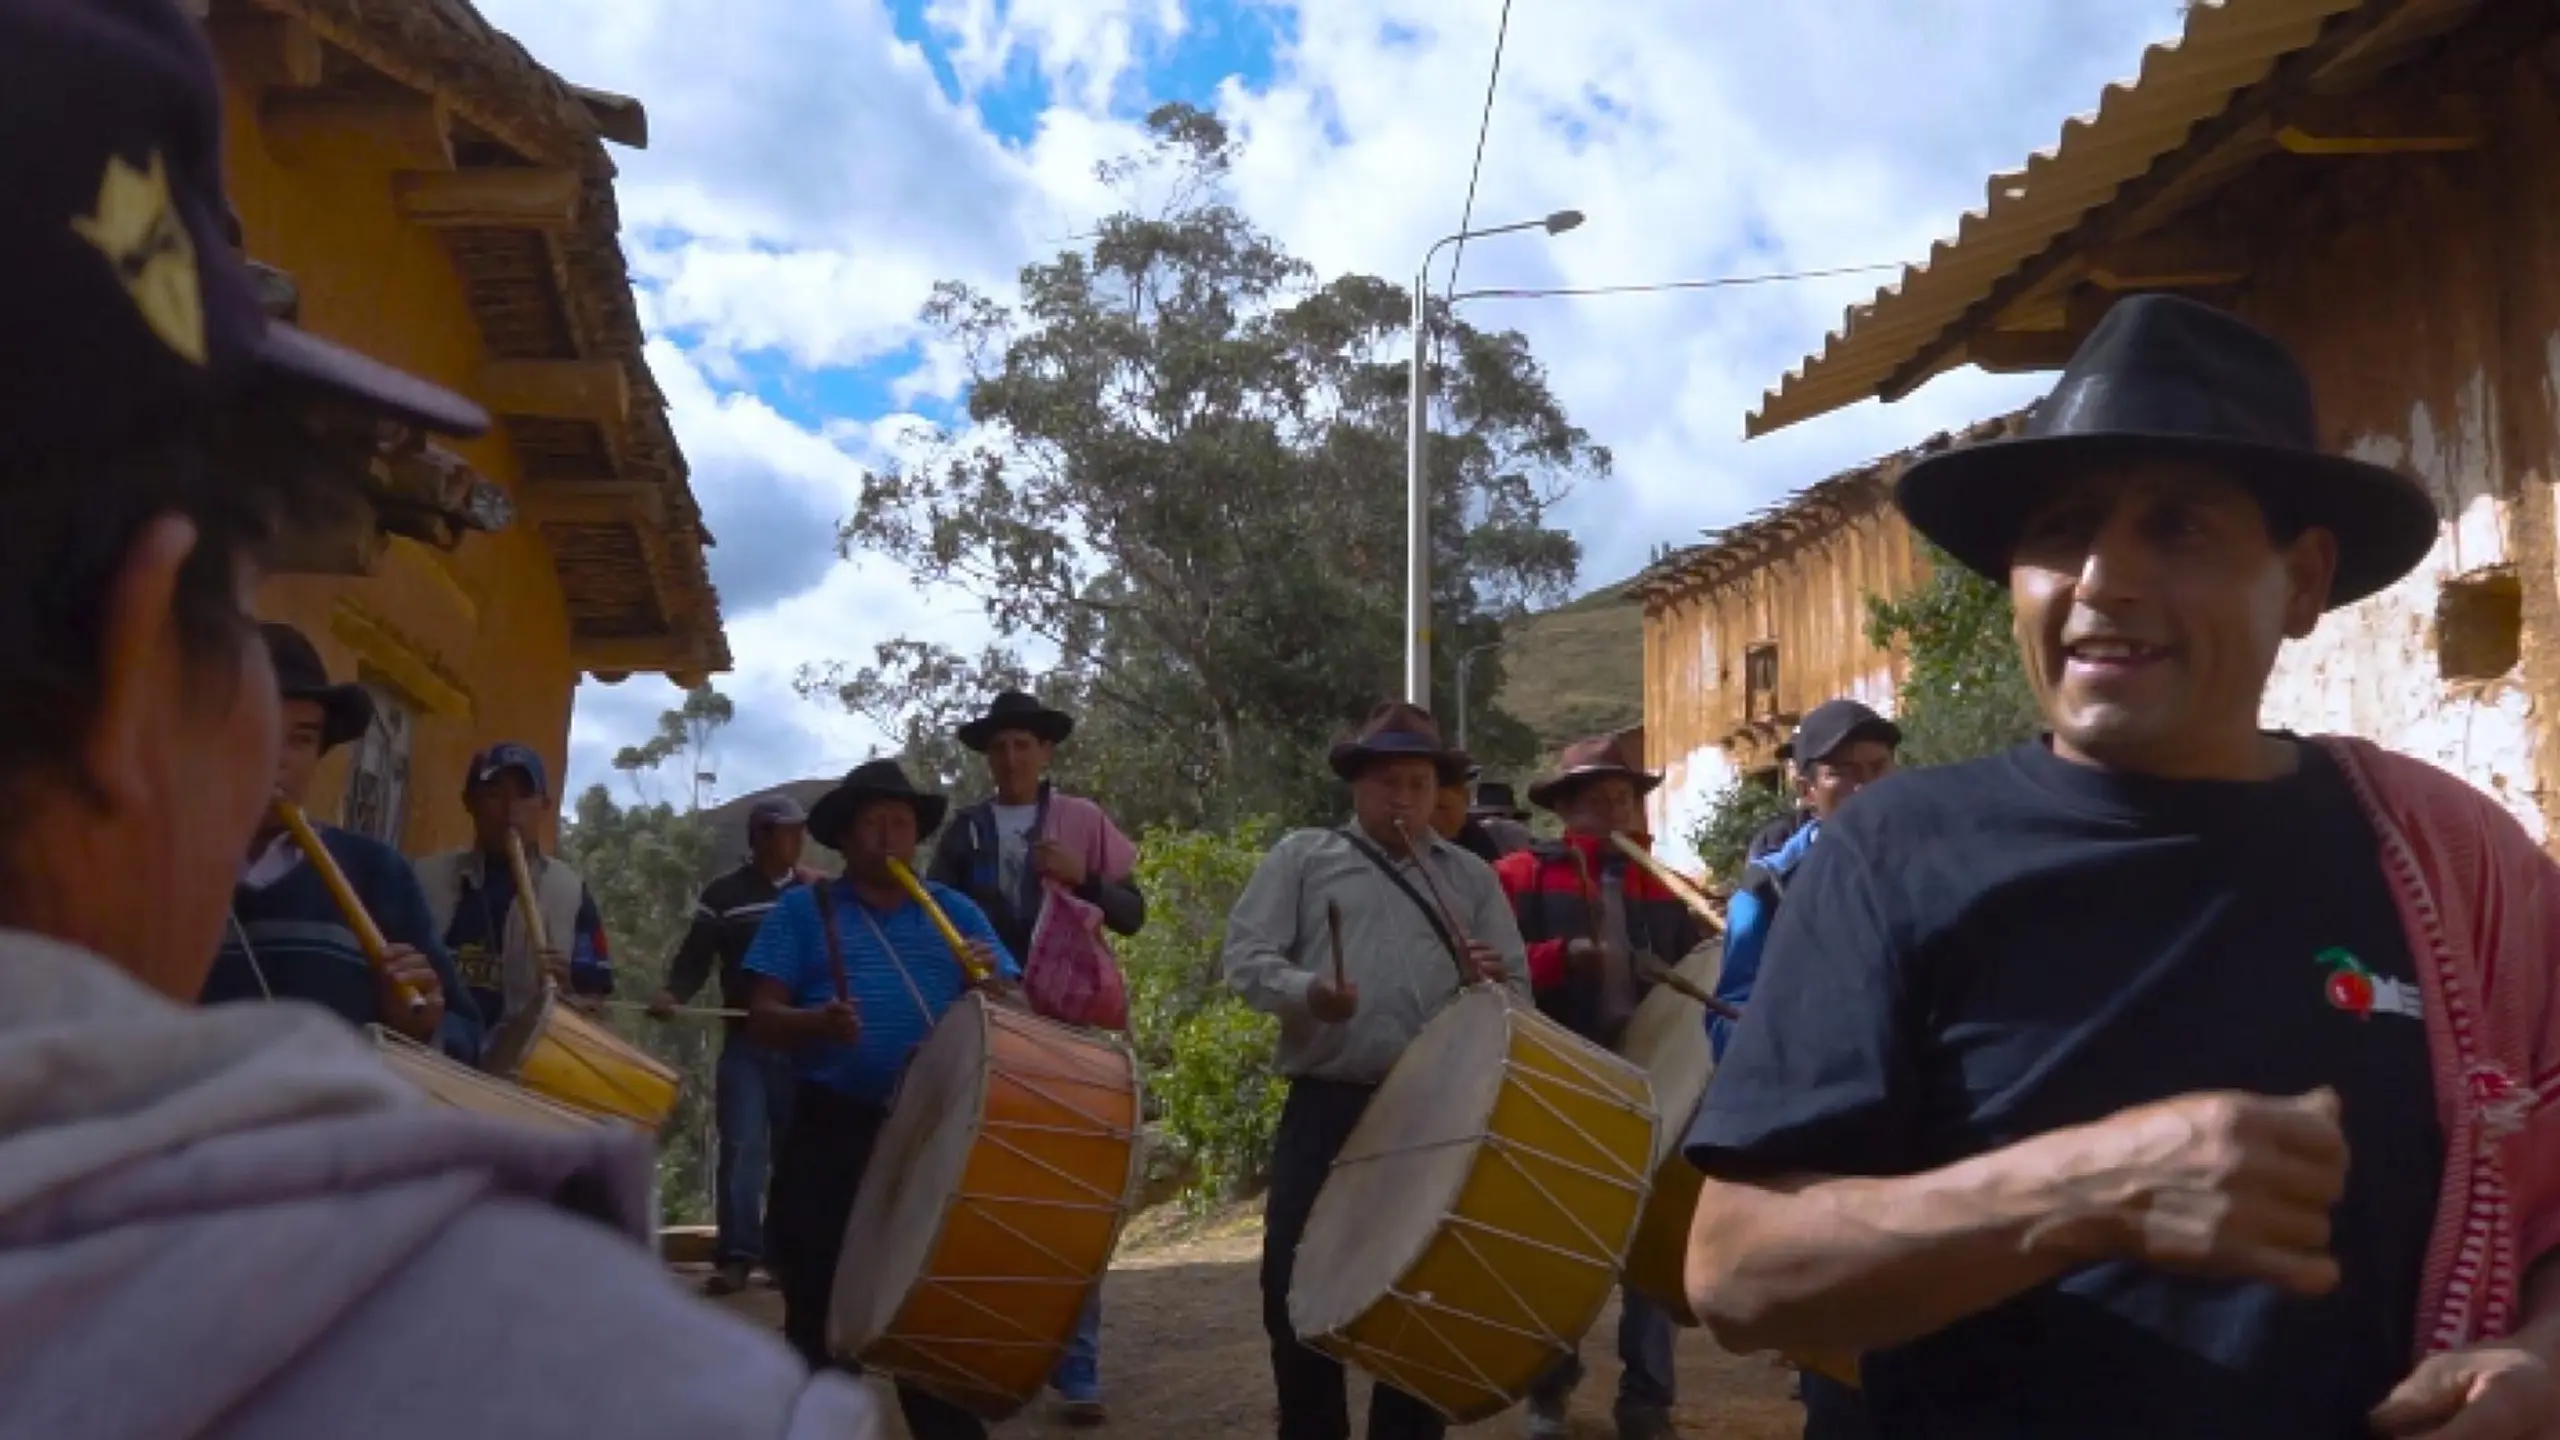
x=552 y=1050
x=990 y=1207
x=448 y=1082
x=1474 y=1223
x=1668 y=1040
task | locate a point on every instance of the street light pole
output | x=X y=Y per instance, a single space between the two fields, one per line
x=1466 y=664
x=1417 y=597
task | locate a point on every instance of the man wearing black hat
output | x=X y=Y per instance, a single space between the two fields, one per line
x=1501 y=815
x=1594 y=926
x=2163 y=1075
x=1005 y=852
x=386 y=1267
x=846 y=1052
x=1400 y=964
x=751 y=1088
x=472 y=891
x=287 y=939
x=1453 y=816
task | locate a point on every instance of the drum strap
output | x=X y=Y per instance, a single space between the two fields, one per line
x=824 y=893
x=1431 y=913
x=901 y=966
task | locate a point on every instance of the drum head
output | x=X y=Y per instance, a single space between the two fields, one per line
x=515 y=1036
x=1667 y=1038
x=1399 y=1174
x=913 y=1177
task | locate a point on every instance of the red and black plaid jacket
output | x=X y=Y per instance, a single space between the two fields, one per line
x=1554 y=888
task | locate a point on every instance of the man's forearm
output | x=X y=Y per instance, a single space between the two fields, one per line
x=1815 y=1264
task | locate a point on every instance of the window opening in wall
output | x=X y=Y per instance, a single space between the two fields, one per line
x=1768 y=777
x=2480 y=625
x=1760 y=681
x=377 y=798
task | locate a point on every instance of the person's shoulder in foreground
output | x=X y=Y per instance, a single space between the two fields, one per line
x=372 y=1229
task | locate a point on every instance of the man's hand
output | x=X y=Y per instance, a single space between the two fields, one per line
x=1056 y=862
x=982 y=957
x=2224 y=1185
x=405 y=972
x=1332 y=1003
x=663 y=1005
x=1485 y=963
x=2499 y=1391
x=839 y=1023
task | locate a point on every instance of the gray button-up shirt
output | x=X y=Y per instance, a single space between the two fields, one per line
x=1277 y=946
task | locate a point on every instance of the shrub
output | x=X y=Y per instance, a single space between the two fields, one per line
x=1736 y=814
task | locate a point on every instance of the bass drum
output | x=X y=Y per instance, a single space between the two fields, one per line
x=1667 y=1039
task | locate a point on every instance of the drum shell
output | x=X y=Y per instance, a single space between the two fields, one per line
x=969 y=1254
x=1668 y=1040
x=450 y=1083
x=1533 y=1218
x=558 y=1053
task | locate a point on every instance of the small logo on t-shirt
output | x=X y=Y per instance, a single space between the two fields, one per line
x=2354 y=988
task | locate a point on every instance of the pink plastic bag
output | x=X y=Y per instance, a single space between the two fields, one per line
x=1071 y=974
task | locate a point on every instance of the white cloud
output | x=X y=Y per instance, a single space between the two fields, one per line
x=811 y=179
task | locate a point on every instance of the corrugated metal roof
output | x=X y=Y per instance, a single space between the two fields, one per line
x=2228 y=47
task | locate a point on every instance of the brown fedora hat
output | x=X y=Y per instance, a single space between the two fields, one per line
x=1598 y=758
x=1397 y=731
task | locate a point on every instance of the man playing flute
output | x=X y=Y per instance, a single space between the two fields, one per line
x=288 y=938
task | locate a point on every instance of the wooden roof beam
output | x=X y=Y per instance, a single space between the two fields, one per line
x=618 y=118
x=481 y=198
x=661 y=654
x=412 y=132
x=260 y=50
x=634 y=503
x=2409 y=124
x=596 y=391
x=2186 y=258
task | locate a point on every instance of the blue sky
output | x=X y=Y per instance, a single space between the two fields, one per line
x=818 y=164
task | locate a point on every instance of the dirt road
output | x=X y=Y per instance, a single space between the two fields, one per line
x=1183 y=1355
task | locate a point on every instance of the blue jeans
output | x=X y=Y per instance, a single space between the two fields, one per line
x=1079 y=1372
x=1645 y=1336
x=751 y=1105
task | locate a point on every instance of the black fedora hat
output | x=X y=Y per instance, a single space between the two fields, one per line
x=1014 y=710
x=1397 y=731
x=872 y=780
x=1494 y=798
x=345 y=710
x=2167 y=377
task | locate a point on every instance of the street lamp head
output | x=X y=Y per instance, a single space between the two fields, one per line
x=1563 y=220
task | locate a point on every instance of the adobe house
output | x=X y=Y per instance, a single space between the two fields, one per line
x=1767 y=619
x=2376 y=182
x=420 y=188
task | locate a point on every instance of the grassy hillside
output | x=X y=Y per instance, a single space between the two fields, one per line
x=1578 y=669
x=728 y=822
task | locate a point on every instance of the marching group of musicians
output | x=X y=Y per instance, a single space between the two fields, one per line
x=2162 y=1076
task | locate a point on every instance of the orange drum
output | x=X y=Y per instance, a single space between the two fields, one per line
x=990 y=1208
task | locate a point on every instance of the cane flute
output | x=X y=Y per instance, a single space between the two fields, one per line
x=695 y=1012
x=534 y=934
x=1671 y=880
x=1333 y=931
x=377 y=951
x=970 y=964
x=1430 y=882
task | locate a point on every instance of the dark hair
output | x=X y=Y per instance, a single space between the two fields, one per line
x=67 y=525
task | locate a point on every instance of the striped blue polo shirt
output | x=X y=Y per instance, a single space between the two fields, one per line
x=895 y=1018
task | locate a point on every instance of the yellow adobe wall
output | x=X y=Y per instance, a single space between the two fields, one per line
x=479 y=639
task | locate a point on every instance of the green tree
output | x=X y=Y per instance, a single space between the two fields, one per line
x=1965 y=694
x=685 y=733
x=1723 y=834
x=1182 y=478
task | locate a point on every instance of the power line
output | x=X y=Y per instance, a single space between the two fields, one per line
x=1724 y=282
x=1484 y=127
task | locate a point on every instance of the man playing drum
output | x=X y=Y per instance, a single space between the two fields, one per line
x=848 y=976
x=751 y=1088
x=287 y=939
x=1398 y=964
x=2163 y=1075
x=1004 y=852
x=237 y=1220
x=1591 y=921
x=473 y=892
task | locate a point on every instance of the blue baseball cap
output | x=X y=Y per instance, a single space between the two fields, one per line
x=502 y=757
x=125 y=314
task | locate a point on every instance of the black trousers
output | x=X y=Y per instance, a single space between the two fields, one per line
x=816 y=1172
x=1833 y=1411
x=1314 y=1404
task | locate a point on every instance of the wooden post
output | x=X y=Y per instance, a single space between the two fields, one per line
x=490 y=198
x=596 y=391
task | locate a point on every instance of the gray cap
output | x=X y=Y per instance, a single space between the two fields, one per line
x=775 y=810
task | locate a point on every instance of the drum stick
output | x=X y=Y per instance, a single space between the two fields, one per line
x=1333 y=928
x=368 y=935
x=705 y=1012
x=1671 y=880
x=970 y=965
x=1657 y=973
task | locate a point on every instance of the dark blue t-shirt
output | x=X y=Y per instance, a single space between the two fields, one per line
x=1980 y=953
